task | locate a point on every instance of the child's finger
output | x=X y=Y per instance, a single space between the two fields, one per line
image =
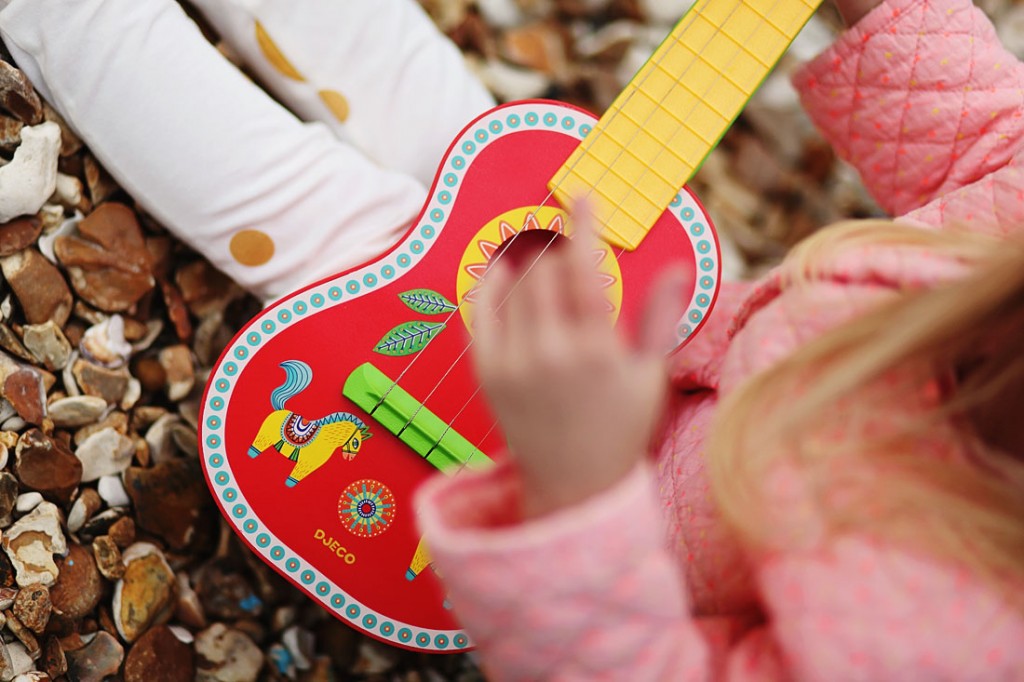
x=486 y=325
x=582 y=294
x=662 y=311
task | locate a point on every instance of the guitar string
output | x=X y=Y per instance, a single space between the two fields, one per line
x=720 y=76
x=679 y=80
x=691 y=16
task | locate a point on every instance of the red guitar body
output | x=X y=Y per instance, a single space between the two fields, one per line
x=293 y=469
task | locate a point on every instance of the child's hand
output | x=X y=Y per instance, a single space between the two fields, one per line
x=576 y=402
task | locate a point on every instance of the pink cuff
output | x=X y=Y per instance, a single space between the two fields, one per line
x=480 y=512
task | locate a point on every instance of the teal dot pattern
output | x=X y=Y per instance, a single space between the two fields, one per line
x=495 y=125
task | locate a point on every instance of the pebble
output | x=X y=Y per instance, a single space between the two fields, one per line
x=111 y=489
x=107 y=262
x=145 y=595
x=31 y=543
x=122 y=532
x=53 y=661
x=104 y=453
x=177 y=364
x=79 y=587
x=76 y=410
x=97 y=660
x=108 y=558
x=8 y=498
x=47 y=344
x=31 y=176
x=87 y=504
x=19 y=233
x=17 y=95
x=21 y=662
x=226 y=655
x=38 y=285
x=159 y=656
x=159 y=438
x=47 y=466
x=190 y=607
x=96 y=380
x=25 y=391
x=32 y=607
x=168 y=499
x=105 y=344
x=10 y=133
x=27 y=501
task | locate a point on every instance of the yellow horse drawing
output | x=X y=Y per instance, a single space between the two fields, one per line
x=307 y=443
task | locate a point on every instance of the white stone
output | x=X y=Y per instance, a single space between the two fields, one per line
x=32 y=556
x=68 y=191
x=158 y=438
x=510 y=82
x=500 y=13
x=232 y=656
x=76 y=410
x=26 y=502
x=111 y=489
x=183 y=635
x=77 y=515
x=21 y=661
x=48 y=344
x=104 y=343
x=47 y=239
x=104 y=453
x=31 y=177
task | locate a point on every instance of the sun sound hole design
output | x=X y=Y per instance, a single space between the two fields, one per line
x=367 y=508
x=495 y=236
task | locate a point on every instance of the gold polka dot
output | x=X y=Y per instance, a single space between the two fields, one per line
x=252 y=247
x=337 y=104
x=274 y=55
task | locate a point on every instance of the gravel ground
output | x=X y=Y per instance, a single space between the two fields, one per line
x=115 y=564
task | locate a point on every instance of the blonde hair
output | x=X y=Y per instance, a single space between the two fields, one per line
x=830 y=412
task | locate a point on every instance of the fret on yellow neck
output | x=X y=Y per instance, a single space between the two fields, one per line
x=657 y=132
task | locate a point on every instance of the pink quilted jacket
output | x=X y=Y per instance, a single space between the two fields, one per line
x=925 y=102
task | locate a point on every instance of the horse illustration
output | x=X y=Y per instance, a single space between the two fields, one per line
x=307 y=443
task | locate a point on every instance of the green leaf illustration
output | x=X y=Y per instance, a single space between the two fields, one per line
x=427 y=302
x=408 y=338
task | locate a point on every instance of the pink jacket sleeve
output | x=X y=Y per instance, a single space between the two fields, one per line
x=592 y=593
x=923 y=100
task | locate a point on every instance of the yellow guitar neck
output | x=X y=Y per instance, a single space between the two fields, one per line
x=658 y=131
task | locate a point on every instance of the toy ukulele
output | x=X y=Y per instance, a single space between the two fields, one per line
x=331 y=406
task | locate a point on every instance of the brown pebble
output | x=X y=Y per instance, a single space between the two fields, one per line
x=168 y=498
x=108 y=557
x=39 y=287
x=108 y=264
x=53 y=661
x=23 y=634
x=18 y=96
x=10 y=342
x=8 y=496
x=32 y=607
x=24 y=390
x=159 y=656
x=96 y=660
x=150 y=373
x=47 y=466
x=79 y=586
x=19 y=234
x=122 y=532
x=109 y=384
x=176 y=310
